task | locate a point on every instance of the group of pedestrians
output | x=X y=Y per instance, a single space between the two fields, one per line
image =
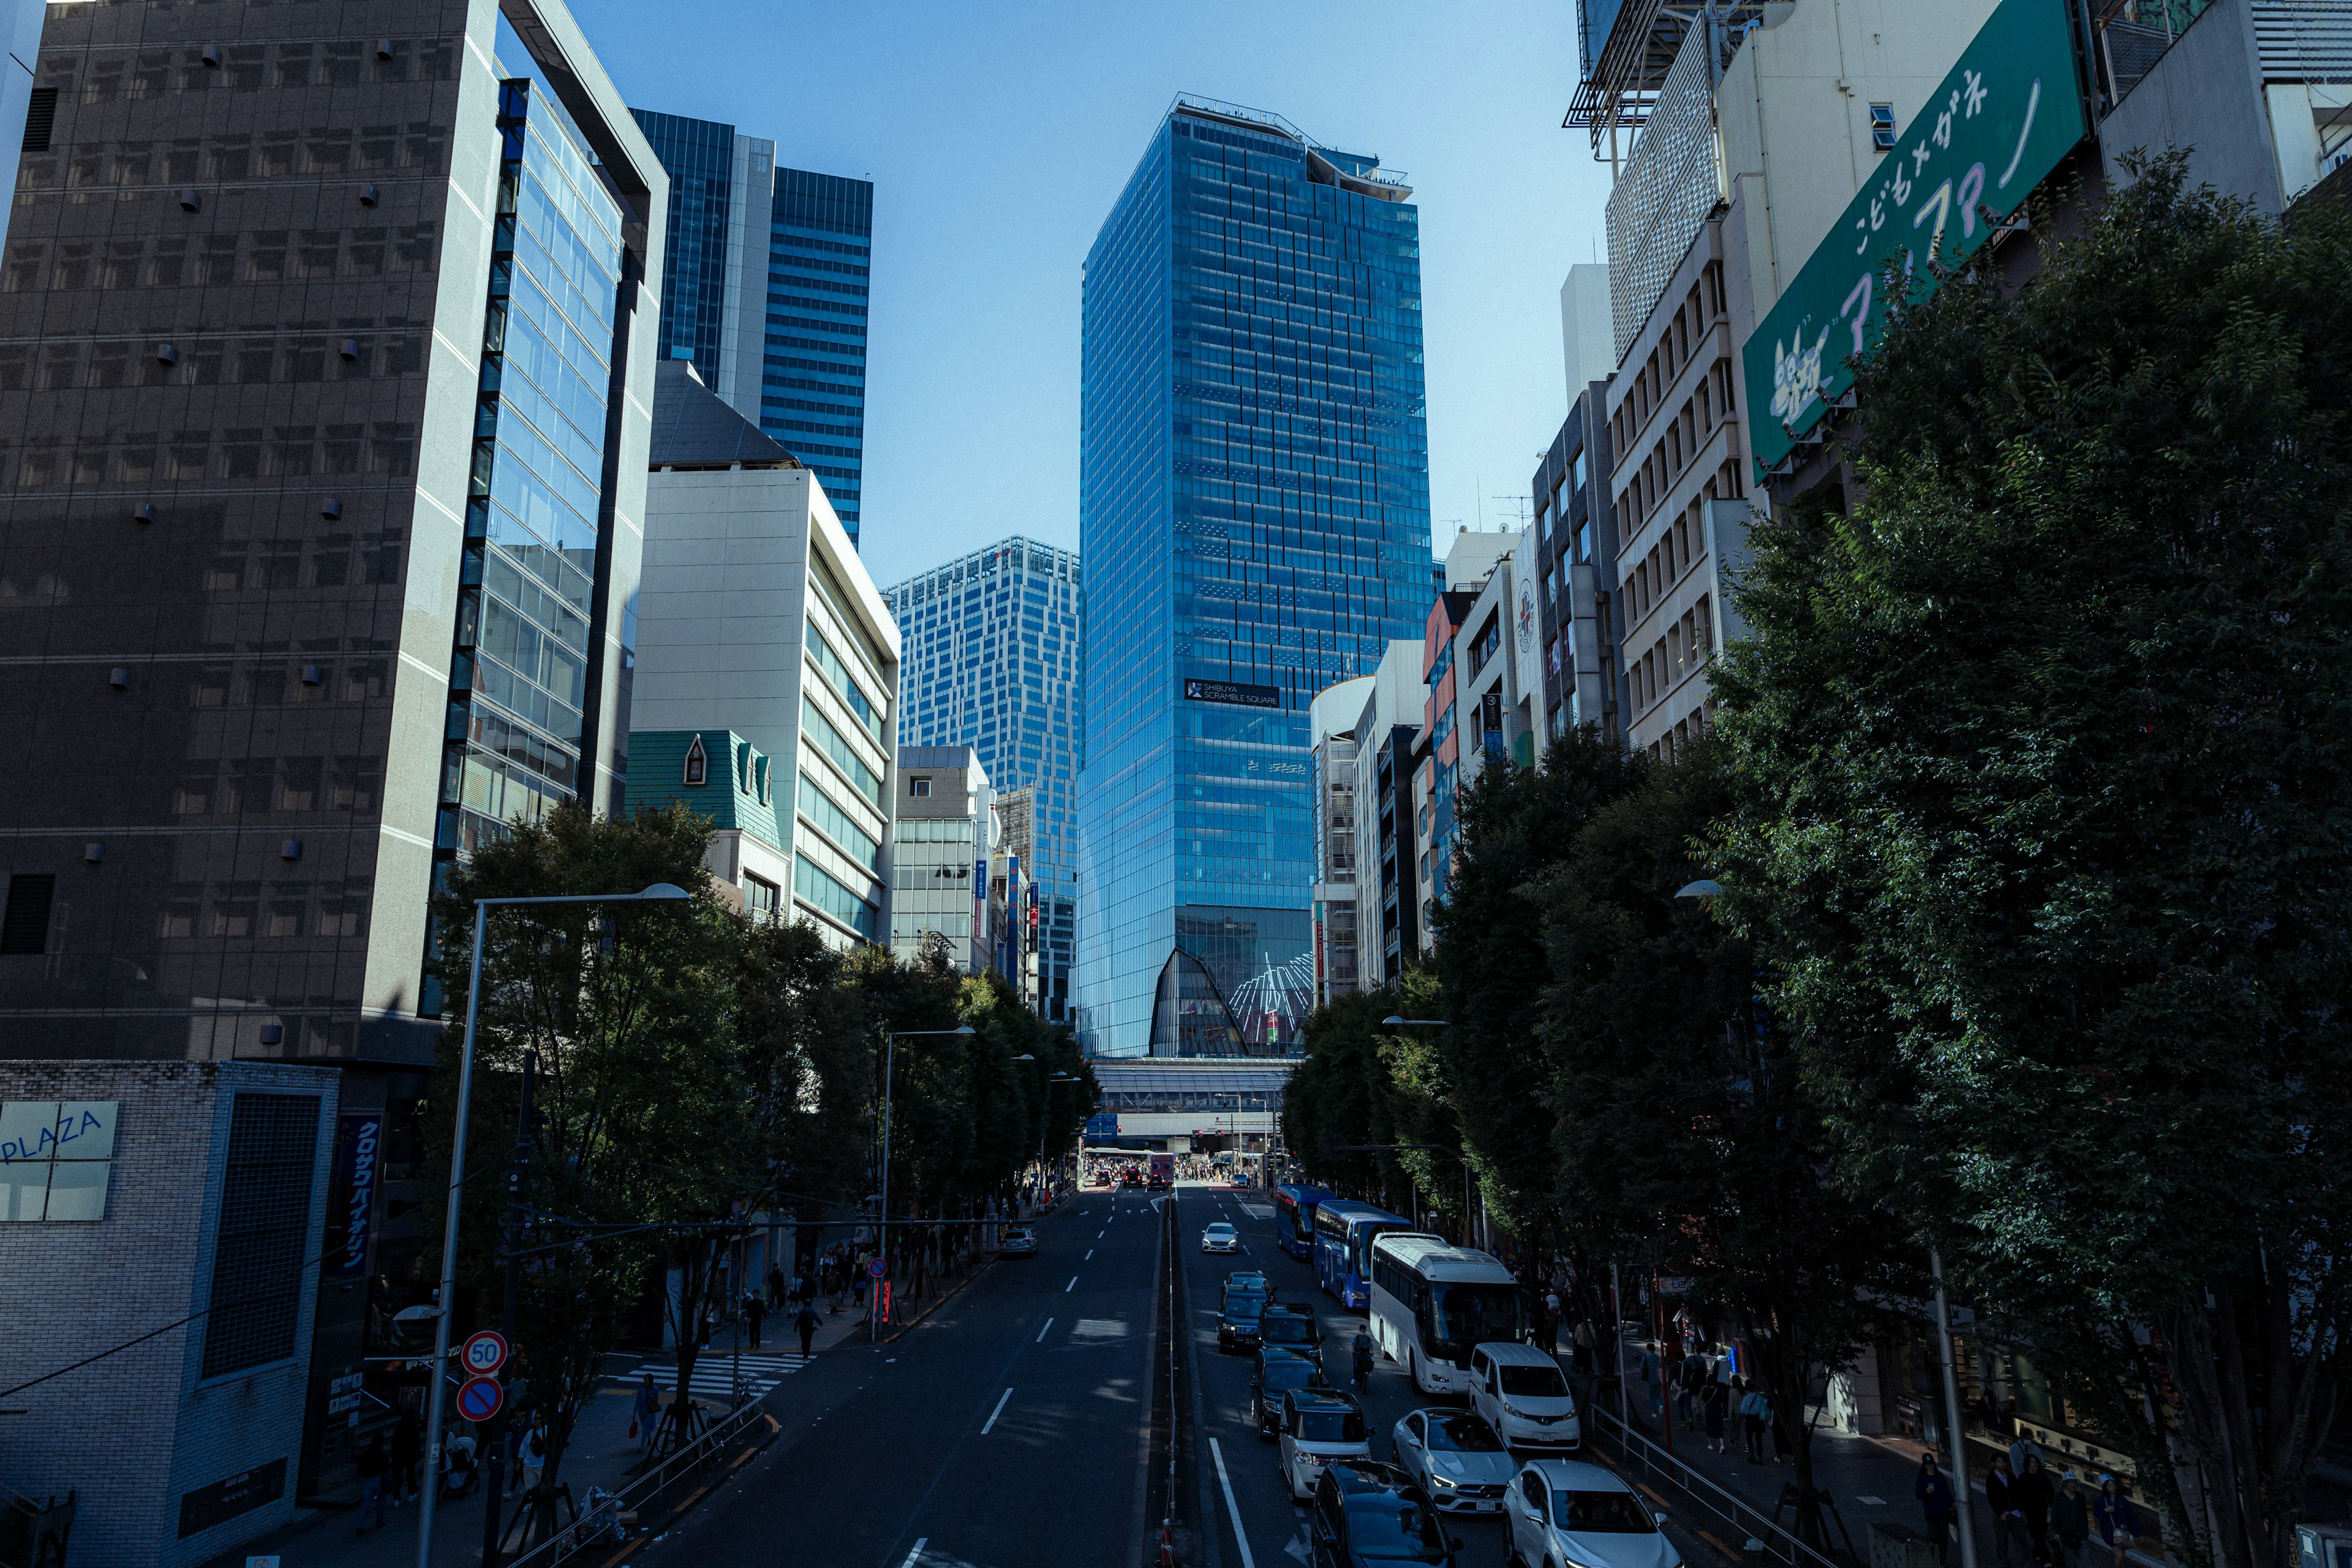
x=2036 y=1520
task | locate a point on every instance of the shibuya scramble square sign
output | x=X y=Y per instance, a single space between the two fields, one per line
x=2003 y=118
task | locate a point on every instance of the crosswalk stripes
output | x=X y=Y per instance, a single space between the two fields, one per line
x=714 y=1374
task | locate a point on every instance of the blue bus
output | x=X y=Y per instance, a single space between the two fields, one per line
x=1343 y=1247
x=1294 y=1219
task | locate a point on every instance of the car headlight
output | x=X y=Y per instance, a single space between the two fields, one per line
x=1437 y=1480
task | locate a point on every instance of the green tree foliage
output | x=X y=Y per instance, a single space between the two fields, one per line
x=1688 y=1144
x=2050 y=842
x=1491 y=966
x=1362 y=1084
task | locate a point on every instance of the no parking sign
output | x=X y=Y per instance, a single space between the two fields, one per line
x=479 y=1397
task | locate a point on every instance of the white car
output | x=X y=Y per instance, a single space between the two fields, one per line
x=1220 y=1238
x=1563 y=1512
x=1518 y=1390
x=1456 y=1458
x=1318 y=1428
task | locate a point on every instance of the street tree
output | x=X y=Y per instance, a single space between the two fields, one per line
x=2044 y=741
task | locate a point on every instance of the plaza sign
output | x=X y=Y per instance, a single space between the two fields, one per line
x=2004 y=117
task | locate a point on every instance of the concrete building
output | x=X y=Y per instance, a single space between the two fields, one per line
x=733 y=782
x=1386 y=736
x=1331 y=720
x=1471 y=563
x=1581 y=671
x=323 y=519
x=757 y=621
x=941 y=857
x=133 y=1194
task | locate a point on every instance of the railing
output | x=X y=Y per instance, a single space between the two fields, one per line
x=1755 y=1528
x=2135 y=34
x=601 y=1522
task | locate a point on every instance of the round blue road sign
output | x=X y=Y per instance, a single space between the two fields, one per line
x=479 y=1398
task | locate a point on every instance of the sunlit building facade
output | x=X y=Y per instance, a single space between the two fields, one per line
x=1255 y=518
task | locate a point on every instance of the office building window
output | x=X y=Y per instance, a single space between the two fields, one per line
x=24 y=926
x=920 y=789
x=55 y=1158
x=762 y=897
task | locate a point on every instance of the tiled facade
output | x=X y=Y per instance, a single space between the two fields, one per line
x=993 y=652
x=939 y=857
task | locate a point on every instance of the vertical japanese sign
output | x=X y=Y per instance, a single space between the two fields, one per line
x=2003 y=118
x=350 y=1221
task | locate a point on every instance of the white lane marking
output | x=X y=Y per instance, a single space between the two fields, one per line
x=1241 y=1536
x=917 y=1554
x=1099 y=1235
x=995 y=1413
x=1041 y=1333
x=1071 y=1286
x=1089 y=1257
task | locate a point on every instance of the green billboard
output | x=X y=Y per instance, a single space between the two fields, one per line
x=2003 y=118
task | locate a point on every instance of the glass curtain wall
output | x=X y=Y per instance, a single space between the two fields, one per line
x=1255 y=518
x=813 y=391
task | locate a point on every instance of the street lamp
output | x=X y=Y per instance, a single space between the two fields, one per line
x=882 y=1218
x=659 y=893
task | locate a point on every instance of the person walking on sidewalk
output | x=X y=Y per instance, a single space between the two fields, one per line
x=2118 y=1521
x=2032 y=1494
x=1755 y=1414
x=407 y=1455
x=1934 y=1490
x=2008 y=1518
x=1712 y=1398
x=776 y=1286
x=755 y=1312
x=806 y=1321
x=645 y=1413
x=372 y=1466
x=2070 y=1518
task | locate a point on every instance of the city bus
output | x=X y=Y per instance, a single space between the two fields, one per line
x=1343 y=1247
x=1433 y=1303
x=1294 y=1218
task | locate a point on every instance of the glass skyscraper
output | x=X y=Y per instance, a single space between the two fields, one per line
x=989 y=656
x=765 y=289
x=1255 y=518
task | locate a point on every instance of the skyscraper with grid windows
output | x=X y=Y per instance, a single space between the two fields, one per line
x=990 y=655
x=1255 y=518
x=765 y=290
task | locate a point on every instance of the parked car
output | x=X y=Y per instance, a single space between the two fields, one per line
x=1278 y=1373
x=1565 y=1512
x=1219 y=1237
x=1318 y=1428
x=1293 y=1329
x=1368 y=1513
x=1016 y=1241
x=1238 y=1322
x=1457 y=1459
x=1520 y=1393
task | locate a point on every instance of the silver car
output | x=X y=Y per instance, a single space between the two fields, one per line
x=1565 y=1512
x=1456 y=1458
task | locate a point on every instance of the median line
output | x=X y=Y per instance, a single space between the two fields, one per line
x=992 y=1415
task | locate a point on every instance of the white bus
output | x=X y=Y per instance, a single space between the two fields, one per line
x=1433 y=1303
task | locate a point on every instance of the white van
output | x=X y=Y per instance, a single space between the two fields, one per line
x=1520 y=1393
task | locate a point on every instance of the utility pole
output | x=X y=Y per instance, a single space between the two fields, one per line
x=1964 y=1501
x=501 y=1435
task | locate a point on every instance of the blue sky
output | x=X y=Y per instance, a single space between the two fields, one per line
x=997 y=137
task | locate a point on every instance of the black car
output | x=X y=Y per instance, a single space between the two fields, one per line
x=1293 y=1329
x=1246 y=1280
x=1367 y=1513
x=1237 y=1324
x=1279 y=1372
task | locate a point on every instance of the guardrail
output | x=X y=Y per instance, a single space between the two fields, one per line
x=1758 y=1535
x=600 y=1523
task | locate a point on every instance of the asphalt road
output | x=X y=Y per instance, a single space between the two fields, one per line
x=1005 y=1431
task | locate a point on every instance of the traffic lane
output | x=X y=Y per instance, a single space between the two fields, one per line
x=892 y=1457
x=1271 y=1516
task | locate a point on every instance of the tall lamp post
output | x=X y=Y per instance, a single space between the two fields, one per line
x=659 y=893
x=882 y=1220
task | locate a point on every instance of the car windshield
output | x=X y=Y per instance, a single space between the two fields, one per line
x=1463 y=1435
x=1603 y=1513
x=1461 y=1316
x=1221 y=1228
x=1535 y=1381
x=1330 y=1427
x=1244 y=1304
x=1387 y=1525
x=1288 y=1373
x=1288 y=1329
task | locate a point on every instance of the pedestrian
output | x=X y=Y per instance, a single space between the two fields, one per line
x=776 y=1287
x=1650 y=1381
x=2118 y=1521
x=1690 y=1376
x=808 y=1291
x=1934 y=1490
x=534 y=1454
x=806 y=1323
x=645 y=1413
x=2070 y=1518
x=2025 y=1447
x=1713 y=1398
x=373 y=1463
x=2032 y=1494
x=1582 y=1356
x=2007 y=1518
x=754 y=1311
x=1753 y=1406
x=407 y=1455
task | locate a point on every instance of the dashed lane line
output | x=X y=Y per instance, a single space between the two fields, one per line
x=1041 y=1333
x=991 y=1422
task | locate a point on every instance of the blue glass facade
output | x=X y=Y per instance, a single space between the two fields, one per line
x=700 y=156
x=990 y=658
x=530 y=612
x=798 y=308
x=1255 y=519
x=813 y=387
